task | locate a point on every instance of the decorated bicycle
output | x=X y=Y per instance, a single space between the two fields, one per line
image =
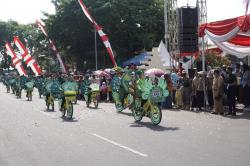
x=29 y=86
x=148 y=94
x=68 y=97
x=12 y=82
x=40 y=83
x=92 y=95
x=18 y=87
x=120 y=85
x=52 y=91
x=7 y=83
x=78 y=80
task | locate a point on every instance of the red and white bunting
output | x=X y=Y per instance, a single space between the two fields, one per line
x=27 y=58
x=17 y=62
x=41 y=25
x=103 y=36
x=230 y=35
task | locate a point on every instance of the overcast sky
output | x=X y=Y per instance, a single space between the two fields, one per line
x=25 y=11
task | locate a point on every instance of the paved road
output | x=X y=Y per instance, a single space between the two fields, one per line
x=30 y=136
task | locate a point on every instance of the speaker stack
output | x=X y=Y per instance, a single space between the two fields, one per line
x=188 y=29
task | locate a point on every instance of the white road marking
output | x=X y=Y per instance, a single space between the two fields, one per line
x=121 y=146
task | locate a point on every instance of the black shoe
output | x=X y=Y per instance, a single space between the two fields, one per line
x=215 y=113
x=229 y=113
x=221 y=113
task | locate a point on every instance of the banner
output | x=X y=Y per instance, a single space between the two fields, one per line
x=41 y=25
x=103 y=36
x=27 y=58
x=15 y=60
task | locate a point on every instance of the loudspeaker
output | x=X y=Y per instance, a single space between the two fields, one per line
x=188 y=29
x=188 y=16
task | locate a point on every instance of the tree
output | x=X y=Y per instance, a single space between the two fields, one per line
x=214 y=59
x=132 y=27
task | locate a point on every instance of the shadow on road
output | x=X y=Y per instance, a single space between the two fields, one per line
x=49 y=110
x=65 y=119
x=126 y=113
x=153 y=127
x=93 y=108
x=240 y=115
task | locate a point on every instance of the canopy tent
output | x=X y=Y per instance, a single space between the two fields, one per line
x=138 y=60
x=164 y=55
x=231 y=35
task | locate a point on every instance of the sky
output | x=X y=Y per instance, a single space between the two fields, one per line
x=26 y=11
x=219 y=9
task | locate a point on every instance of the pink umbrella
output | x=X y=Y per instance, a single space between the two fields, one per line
x=109 y=71
x=102 y=73
x=154 y=72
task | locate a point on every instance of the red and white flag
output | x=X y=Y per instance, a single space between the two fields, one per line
x=15 y=60
x=41 y=25
x=103 y=36
x=27 y=58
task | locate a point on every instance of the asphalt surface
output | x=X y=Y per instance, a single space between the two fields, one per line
x=31 y=136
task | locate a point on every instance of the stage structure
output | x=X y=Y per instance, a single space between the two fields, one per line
x=171 y=26
x=202 y=13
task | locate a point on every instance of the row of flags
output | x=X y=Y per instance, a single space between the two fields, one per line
x=25 y=57
x=41 y=26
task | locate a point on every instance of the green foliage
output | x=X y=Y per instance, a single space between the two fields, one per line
x=214 y=60
x=132 y=26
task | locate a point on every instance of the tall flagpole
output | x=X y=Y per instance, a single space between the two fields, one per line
x=96 y=60
x=102 y=35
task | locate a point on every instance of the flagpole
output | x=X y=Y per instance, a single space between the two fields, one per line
x=96 y=61
x=204 y=70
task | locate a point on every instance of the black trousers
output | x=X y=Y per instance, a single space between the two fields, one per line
x=173 y=96
x=200 y=99
x=210 y=98
x=231 y=103
x=247 y=96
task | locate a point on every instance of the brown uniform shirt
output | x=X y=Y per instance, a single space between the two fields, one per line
x=218 y=86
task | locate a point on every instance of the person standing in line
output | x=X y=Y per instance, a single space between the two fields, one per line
x=231 y=83
x=194 y=92
x=209 y=89
x=246 y=86
x=238 y=75
x=218 y=91
x=181 y=71
x=186 y=91
x=200 y=90
x=175 y=80
x=167 y=104
x=103 y=91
